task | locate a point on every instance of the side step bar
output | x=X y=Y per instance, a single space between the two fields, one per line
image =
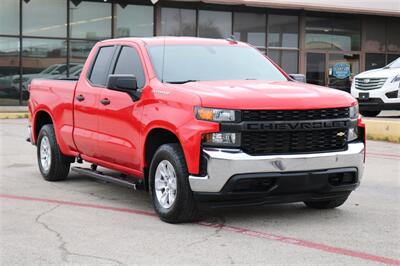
x=107 y=178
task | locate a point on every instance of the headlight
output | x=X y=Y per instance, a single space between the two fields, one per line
x=396 y=79
x=216 y=115
x=222 y=139
x=353 y=134
x=354 y=112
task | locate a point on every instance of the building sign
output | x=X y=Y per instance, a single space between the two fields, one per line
x=341 y=70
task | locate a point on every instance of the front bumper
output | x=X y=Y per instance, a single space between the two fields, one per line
x=224 y=164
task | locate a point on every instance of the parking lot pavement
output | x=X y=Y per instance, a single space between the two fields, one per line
x=82 y=221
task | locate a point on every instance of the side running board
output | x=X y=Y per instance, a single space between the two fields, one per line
x=121 y=181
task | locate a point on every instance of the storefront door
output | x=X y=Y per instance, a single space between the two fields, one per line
x=332 y=69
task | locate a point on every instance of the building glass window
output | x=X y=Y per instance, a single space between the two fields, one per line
x=178 y=22
x=90 y=20
x=134 y=21
x=393 y=38
x=375 y=34
x=9 y=71
x=341 y=34
x=251 y=28
x=283 y=31
x=46 y=18
x=373 y=61
x=215 y=24
x=9 y=17
x=43 y=58
x=392 y=57
x=286 y=59
x=78 y=53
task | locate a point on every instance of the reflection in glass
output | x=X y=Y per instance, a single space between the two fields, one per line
x=250 y=27
x=286 y=59
x=90 y=20
x=215 y=24
x=316 y=68
x=373 y=61
x=283 y=31
x=9 y=17
x=9 y=71
x=375 y=34
x=43 y=58
x=134 y=21
x=178 y=22
x=333 y=34
x=393 y=40
x=79 y=51
x=49 y=21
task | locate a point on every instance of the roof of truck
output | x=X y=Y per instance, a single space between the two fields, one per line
x=172 y=40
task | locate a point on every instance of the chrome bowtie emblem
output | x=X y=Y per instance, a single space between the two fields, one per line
x=340 y=134
x=366 y=80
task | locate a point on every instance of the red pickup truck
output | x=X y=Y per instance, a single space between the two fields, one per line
x=198 y=122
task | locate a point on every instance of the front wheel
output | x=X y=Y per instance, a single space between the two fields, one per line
x=170 y=190
x=326 y=204
x=53 y=165
x=370 y=113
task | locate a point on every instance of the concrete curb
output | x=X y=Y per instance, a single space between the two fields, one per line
x=386 y=130
x=13 y=115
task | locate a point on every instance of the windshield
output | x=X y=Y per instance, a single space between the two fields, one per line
x=394 y=64
x=185 y=63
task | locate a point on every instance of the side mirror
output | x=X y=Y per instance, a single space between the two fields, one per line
x=124 y=83
x=298 y=77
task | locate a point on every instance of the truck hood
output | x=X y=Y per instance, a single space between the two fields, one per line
x=380 y=73
x=274 y=95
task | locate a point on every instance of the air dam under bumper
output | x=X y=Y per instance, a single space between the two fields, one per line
x=223 y=164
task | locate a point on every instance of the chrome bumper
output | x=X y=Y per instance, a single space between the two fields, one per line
x=222 y=164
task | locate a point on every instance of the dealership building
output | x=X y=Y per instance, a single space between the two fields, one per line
x=328 y=41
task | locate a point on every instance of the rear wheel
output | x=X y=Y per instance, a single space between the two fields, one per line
x=370 y=113
x=326 y=204
x=171 y=195
x=53 y=165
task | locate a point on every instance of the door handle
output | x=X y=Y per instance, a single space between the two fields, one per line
x=80 y=98
x=105 y=101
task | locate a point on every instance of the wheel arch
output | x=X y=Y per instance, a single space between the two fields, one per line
x=41 y=118
x=154 y=139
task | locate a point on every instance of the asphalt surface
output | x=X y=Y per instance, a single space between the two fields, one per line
x=81 y=221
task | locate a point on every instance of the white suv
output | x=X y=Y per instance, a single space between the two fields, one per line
x=378 y=89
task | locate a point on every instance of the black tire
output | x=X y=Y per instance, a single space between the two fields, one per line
x=326 y=204
x=60 y=164
x=370 y=113
x=184 y=208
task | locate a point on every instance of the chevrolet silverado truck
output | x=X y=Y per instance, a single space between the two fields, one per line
x=198 y=123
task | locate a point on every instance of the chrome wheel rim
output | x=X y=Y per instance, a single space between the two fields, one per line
x=45 y=154
x=165 y=184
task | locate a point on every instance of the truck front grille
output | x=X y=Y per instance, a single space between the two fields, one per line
x=369 y=83
x=294 y=115
x=296 y=141
x=280 y=142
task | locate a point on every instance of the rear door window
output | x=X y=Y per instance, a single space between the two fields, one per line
x=101 y=66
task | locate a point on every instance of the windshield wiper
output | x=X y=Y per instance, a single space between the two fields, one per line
x=182 y=81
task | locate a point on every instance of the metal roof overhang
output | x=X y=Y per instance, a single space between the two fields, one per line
x=368 y=7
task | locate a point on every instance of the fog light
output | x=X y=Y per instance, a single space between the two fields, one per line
x=353 y=134
x=222 y=139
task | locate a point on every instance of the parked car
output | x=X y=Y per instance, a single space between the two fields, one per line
x=197 y=123
x=378 y=89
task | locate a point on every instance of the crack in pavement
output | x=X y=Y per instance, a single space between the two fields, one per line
x=218 y=225
x=65 y=253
